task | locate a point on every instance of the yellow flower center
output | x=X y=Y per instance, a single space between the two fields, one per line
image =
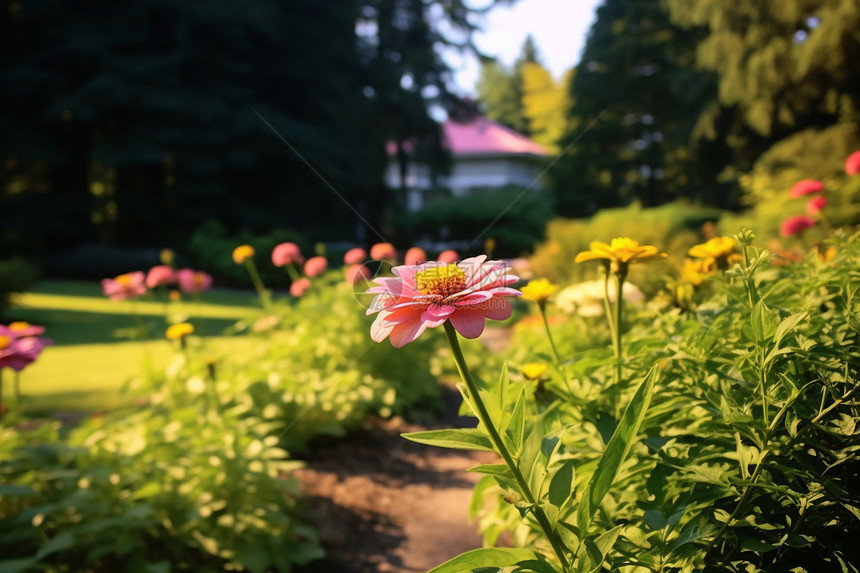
x=124 y=280
x=4 y=341
x=19 y=326
x=443 y=281
x=242 y=253
x=198 y=279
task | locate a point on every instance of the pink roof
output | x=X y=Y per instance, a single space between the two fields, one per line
x=482 y=136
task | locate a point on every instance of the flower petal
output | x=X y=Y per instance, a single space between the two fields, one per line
x=469 y=323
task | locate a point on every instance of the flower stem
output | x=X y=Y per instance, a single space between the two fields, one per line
x=542 y=307
x=17 y=385
x=258 y=285
x=501 y=448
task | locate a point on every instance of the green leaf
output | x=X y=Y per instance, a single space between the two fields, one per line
x=515 y=429
x=764 y=322
x=61 y=542
x=616 y=450
x=17 y=565
x=492 y=469
x=561 y=486
x=457 y=438
x=253 y=557
x=483 y=559
x=599 y=547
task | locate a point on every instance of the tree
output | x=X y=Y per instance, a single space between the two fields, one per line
x=635 y=99
x=546 y=104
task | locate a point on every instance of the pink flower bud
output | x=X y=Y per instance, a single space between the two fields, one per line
x=805 y=187
x=287 y=253
x=852 y=164
x=415 y=256
x=355 y=256
x=299 y=287
x=796 y=225
x=356 y=273
x=316 y=266
x=449 y=256
x=815 y=204
x=382 y=251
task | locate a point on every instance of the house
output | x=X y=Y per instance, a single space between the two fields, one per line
x=485 y=155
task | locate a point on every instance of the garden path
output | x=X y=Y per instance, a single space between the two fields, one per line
x=385 y=504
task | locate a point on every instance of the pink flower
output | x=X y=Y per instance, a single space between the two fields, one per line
x=22 y=329
x=160 y=275
x=382 y=251
x=18 y=350
x=191 y=281
x=852 y=164
x=287 y=253
x=355 y=256
x=422 y=296
x=795 y=225
x=356 y=273
x=316 y=266
x=128 y=285
x=805 y=187
x=449 y=256
x=299 y=287
x=415 y=256
x=815 y=204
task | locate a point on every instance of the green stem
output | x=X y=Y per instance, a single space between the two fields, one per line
x=484 y=417
x=542 y=307
x=17 y=385
x=1 y=392
x=258 y=285
x=607 y=308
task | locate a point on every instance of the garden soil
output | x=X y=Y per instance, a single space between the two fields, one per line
x=384 y=504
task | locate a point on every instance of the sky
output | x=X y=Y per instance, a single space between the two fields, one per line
x=559 y=28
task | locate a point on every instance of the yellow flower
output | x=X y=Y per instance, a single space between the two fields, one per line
x=242 y=253
x=694 y=272
x=621 y=250
x=824 y=254
x=178 y=330
x=534 y=370
x=538 y=290
x=713 y=249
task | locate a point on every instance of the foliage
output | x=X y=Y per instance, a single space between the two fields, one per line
x=501 y=90
x=517 y=218
x=545 y=104
x=736 y=450
x=674 y=227
x=180 y=484
x=635 y=98
x=16 y=276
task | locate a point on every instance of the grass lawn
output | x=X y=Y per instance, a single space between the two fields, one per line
x=90 y=362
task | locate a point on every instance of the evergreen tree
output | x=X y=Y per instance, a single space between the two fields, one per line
x=635 y=99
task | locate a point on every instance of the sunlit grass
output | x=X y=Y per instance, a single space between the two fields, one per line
x=89 y=363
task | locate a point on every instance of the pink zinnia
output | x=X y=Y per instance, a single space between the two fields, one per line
x=796 y=225
x=191 y=281
x=16 y=350
x=299 y=287
x=382 y=251
x=805 y=187
x=852 y=164
x=316 y=266
x=425 y=296
x=128 y=285
x=356 y=273
x=449 y=256
x=160 y=275
x=415 y=256
x=815 y=204
x=287 y=253
x=355 y=256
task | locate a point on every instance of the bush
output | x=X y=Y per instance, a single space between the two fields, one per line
x=514 y=217
x=16 y=275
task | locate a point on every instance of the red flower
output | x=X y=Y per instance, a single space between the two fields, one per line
x=852 y=164
x=449 y=256
x=805 y=187
x=128 y=285
x=796 y=225
x=299 y=287
x=160 y=275
x=815 y=204
x=415 y=256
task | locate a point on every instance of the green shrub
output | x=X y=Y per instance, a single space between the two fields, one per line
x=16 y=275
x=513 y=217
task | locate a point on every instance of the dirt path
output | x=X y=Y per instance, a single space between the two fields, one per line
x=384 y=504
